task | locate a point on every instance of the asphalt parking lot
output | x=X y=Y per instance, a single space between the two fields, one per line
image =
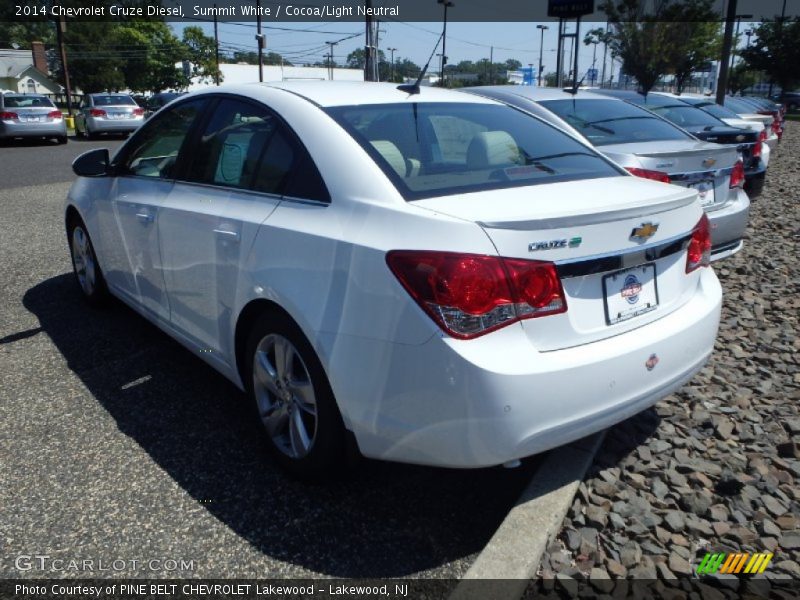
x=119 y=445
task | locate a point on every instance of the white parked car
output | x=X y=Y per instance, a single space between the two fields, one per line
x=438 y=277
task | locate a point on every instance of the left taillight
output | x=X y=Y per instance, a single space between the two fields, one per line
x=469 y=295
x=8 y=116
x=55 y=114
x=138 y=112
x=698 y=254
x=758 y=147
x=649 y=174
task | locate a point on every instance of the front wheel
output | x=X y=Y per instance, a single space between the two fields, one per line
x=293 y=398
x=84 y=264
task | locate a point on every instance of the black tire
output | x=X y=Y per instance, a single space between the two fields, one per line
x=92 y=286
x=90 y=135
x=327 y=453
x=62 y=139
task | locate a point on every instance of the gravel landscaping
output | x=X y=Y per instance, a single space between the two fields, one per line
x=714 y=467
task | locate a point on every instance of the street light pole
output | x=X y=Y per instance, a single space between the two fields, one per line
x=541 y=50
x=445 y=4
x=330 y=59
x=736 y=37
x=392 y=51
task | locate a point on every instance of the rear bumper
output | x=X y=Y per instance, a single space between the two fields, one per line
x=98 y=125
x=754 y=180
x=27 y=130
x=484 y=402
x=728 y=226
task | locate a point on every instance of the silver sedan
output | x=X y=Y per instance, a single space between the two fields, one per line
x=30 y=116
x=108 y=113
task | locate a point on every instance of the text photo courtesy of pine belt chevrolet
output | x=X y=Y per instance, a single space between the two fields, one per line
x=108 y=113
x=435 y=277
x=647 y=146
x=30 y=116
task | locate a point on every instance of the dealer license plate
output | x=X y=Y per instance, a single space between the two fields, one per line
x=705 y=189
x=630 y=293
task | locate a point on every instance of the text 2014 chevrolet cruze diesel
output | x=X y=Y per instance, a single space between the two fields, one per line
x=453 y=281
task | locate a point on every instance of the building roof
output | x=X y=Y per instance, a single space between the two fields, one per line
x=13 y=63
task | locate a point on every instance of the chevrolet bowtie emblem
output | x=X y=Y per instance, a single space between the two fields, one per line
x=709 y=162
x=644 y=232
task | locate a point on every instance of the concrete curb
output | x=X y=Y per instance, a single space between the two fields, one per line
x=512 y=556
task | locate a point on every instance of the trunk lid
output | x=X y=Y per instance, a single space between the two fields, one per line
x=586 y=228
x=699 y=165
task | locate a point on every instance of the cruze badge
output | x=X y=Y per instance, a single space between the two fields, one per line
x=644 y=232
x=553 y=244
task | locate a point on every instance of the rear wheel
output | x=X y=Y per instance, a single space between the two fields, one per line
x=62 y=139
x=84 y=264
x=293 y=398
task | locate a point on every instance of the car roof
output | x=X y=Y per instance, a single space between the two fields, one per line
x=535 y=93
x=347 y=93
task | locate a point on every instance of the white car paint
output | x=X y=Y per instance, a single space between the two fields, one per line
x=191 y=257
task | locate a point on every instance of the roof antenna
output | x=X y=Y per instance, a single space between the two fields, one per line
x=575 y=85
x=413 y=88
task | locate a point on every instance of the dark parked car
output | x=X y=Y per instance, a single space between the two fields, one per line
x=705 y=127
x=791 y=100
x=157 y=101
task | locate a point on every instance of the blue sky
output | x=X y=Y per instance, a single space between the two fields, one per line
x=465 y=41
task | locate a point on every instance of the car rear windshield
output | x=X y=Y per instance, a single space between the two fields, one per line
x=740 y=107
x=440 y=149
x=27 y=102
x=684 y=115
x=112 y=100
x=715 y=110
x=605 y=122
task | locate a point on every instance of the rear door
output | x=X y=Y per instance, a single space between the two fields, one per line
x=238 y=169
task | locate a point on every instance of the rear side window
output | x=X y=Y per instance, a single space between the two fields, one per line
x=27 y=102
x=605 y=122
x=438 y=149
x=246 y=146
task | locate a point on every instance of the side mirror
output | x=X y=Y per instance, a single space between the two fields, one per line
x=95 y=163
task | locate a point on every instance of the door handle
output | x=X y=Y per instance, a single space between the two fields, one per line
x=144 y=217
x=227 y=234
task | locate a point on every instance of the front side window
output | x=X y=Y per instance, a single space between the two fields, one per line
x=605 y=122
x=438 y=149
x=153 y=151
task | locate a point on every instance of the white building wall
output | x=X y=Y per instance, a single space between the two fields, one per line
x=236 y=74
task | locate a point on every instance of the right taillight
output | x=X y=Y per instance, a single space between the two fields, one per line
x=737 y=175
x=758 y=147
x=648 y=174
x=8 y=116
x=776 y=127
x=469 y=295
x=97 y=112
x=698 y=254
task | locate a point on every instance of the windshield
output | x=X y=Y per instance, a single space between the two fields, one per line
x=27 y=102
x=110 y=100
x=439 y=149
x=605 y=122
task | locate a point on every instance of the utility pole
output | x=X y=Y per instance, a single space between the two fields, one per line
x=736 y=37
x=594 y=61
x=491 y=65
x=260 y=40
x=369 y=61
x=445 y=4
x=61 y=27
x=727 y=40
x=392 y=51
x=577 y=48
x=330 y=59
x=780 y=39
x=560 y=55
x=541 y=28
x=216 y=47
x=605 y=52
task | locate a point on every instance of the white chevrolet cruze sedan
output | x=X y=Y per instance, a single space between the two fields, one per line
x=438 y=277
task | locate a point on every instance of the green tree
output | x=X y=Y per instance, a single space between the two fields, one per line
x=740 y=77
x=200 y=51
x=22 y=34
x=357 y=58
x=251 y=58
x=776 y=51
x=151 y=52
x=96 y=64
x=695 y=37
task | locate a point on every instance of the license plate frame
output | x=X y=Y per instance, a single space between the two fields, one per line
x=621 y=299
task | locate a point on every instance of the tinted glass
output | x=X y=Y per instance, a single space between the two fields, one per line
x=740 y=107
x=715 y=110
x=437 y=149
x=113 y=100
x=153 y=150
x=605 y=122
x=246 y=146
x=681 y=114
x=27 y=102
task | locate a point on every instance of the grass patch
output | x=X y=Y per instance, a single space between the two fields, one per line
x=793 y=117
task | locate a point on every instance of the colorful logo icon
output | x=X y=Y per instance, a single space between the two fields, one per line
x=722 y=562
x=630 y=290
